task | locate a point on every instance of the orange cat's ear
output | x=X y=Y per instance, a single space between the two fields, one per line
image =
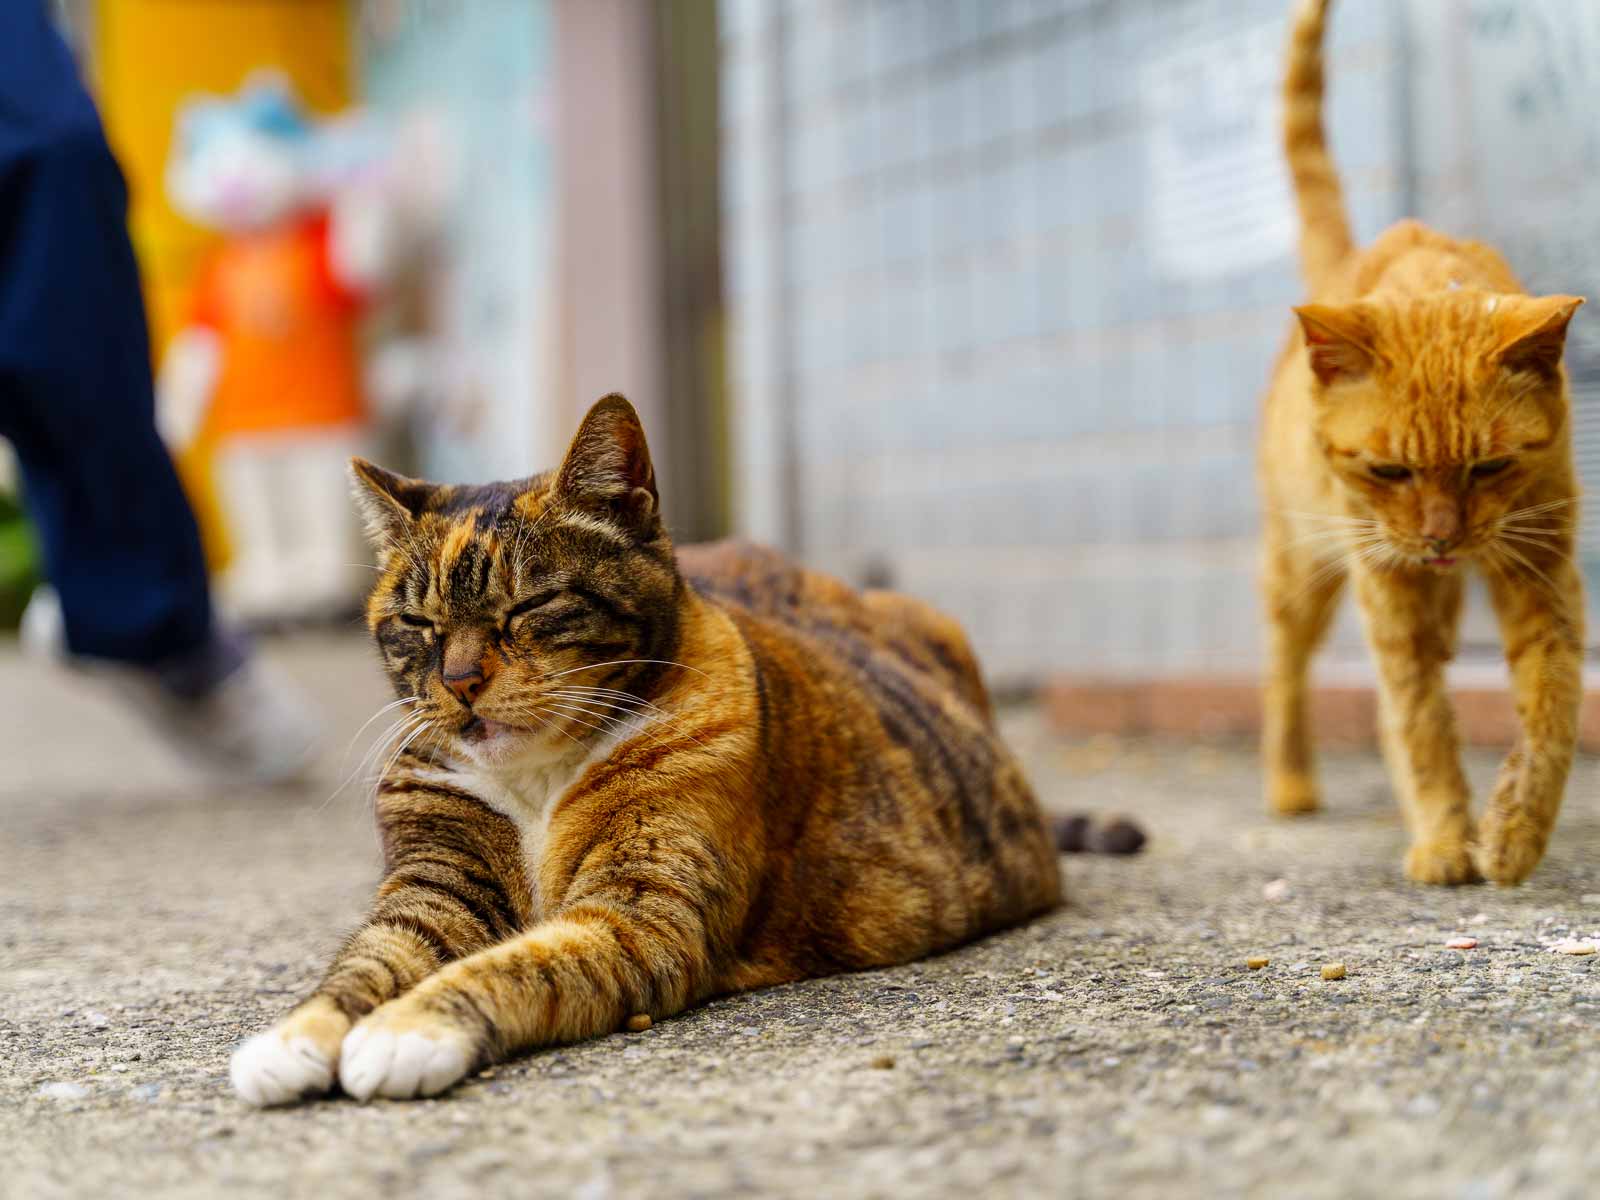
x=1534 y=331
x=388 y=502
x=1338 y=341
x=608 y=465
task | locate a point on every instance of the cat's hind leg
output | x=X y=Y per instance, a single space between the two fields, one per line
x=1301 y=593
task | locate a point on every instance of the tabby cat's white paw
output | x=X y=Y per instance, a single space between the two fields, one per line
x=378 y=1062
x=273 y=1069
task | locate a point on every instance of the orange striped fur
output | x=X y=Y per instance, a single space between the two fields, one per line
x=1417 y=426
x=632 y=779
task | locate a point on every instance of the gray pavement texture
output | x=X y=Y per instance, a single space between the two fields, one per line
x=1119 y=1047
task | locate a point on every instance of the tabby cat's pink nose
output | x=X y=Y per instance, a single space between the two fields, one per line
x=465 y=686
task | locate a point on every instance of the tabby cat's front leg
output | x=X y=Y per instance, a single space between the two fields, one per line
x=1541 y=620
x=634 y=932
x=453 y=884
x=1411 y=624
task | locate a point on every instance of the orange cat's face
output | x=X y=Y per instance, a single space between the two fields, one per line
x=1438 y=415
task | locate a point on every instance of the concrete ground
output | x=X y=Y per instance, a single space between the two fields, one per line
x=1120 y=1047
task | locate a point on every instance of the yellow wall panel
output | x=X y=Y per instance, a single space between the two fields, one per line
x=146 y=58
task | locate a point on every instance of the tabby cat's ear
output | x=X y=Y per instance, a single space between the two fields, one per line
x=388 y=502
x=1338 y=341
x=607 y=468
x=1534 y=331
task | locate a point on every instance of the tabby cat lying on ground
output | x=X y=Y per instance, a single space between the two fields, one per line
x=639 y=779
x=1419 y=424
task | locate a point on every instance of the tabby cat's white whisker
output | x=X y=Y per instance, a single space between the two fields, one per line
x=367 y=724
x=577 y=715
x=394 y=757
x=623 y=662
x=658 y=713
x=546 y=723
x=380 y=744
x=623 y=700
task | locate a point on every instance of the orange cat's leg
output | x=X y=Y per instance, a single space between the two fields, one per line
x=1541 y=618
x=1411 y=623
x=1301 y=597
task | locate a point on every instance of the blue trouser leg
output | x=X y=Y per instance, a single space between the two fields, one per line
x=76 y=396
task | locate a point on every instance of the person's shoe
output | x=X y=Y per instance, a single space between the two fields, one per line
x=221 y=708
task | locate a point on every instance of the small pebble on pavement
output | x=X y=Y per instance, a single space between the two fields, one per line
x=1573 y=946
x=62 y=1090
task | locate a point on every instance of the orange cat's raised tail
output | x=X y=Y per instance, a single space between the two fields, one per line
x=1418 y=428
x=1325 y=239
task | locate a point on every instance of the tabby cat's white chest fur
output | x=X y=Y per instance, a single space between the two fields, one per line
x=527 y=790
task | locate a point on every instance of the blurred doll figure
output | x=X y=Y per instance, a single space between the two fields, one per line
x=268 y=371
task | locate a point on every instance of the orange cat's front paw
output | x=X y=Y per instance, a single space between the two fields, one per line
x=1509 y=848
x=1447 y=862
x=1293 y=795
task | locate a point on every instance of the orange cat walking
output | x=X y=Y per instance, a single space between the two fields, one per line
x=1418 y=425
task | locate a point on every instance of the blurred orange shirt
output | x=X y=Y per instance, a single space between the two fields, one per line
x=287 y=333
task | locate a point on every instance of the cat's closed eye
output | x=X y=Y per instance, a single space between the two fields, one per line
x=536 y=601
x=1390 y=472
x=415 y=620
x=1491 y=467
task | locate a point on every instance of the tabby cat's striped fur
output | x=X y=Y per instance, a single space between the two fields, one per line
x=640 y=778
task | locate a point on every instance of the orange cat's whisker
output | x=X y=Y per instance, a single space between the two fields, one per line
x=1518 y=559
x=1547 y=506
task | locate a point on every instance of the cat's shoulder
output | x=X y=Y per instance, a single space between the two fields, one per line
x=756 y=577
x=874 y=629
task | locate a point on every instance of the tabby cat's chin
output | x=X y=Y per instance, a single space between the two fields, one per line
x=481 y=731
x=492 y=742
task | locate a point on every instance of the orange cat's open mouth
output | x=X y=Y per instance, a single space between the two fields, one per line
x=1442 y=561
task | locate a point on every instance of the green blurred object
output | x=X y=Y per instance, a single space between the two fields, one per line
x=19 y=561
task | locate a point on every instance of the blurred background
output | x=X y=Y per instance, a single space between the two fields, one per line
x=976 y=298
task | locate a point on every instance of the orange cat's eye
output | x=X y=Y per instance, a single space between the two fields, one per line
x=1493 y=466
x=1390 y=472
